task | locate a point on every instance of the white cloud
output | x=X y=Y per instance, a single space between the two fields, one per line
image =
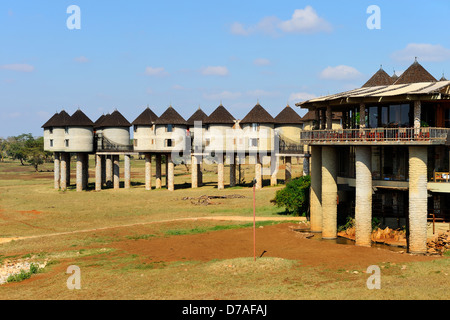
x=300 y=96
x=341 y=72
x=423 y=51
x=178 y=87
x=302 y=21
x=81 y=59
x=18 y=67
x=261 y=62
x=305 y=21
x=150 y=71
x=215 y=71
x=225 y=95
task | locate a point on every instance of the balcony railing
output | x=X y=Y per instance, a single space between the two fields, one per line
x=106 y=145
x=377 y=135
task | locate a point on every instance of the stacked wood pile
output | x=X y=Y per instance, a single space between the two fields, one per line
x=206 y=200
x=379 y=235
x=439 y=243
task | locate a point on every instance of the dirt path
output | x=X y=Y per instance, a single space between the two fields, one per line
x=218 y=218
x=277 y=241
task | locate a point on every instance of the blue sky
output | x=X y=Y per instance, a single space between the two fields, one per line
x=130 y=54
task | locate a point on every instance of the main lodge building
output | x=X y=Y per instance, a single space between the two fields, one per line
x=390 y=158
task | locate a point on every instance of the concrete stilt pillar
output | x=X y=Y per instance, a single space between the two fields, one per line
x=98 y=172
x=170 y=173
x=232 y=171
x=109 y=171
x=258 y=173
x=288 y=169
x=127 y=169
x=80 y=172
x=306 y=165
x=103 y=165
x=167 y=171
x=148 y=171
x=68 y=161
x=418 y=197
x=363 y=203
x=116 y=166
x=158 y=183
x=274 y=165
x=85 y=175
x=63 y=174
x=194 y=172
x=57 y=170
x=316 y=189
x=220 y=174
x=329 y=193
x=199 y=172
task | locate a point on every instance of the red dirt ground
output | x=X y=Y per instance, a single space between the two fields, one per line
x=278 y=241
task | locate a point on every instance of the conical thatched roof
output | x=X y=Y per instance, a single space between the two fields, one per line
x=79 y=119
x=415 y=73
x=52 y=121
x=99 y=120
x=220 y=116
x=146 y=118
x=115 y=119
x=198 y=115
x=288 y=116
x=258 y=115
x=171 y=116
x=380 y=78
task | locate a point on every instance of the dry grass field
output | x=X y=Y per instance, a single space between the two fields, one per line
x=138 y=244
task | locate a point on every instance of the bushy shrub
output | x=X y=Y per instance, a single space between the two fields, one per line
x=295 y=196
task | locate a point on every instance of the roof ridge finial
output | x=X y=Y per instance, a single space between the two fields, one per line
x=415 y=60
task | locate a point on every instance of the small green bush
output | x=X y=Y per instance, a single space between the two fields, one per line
x=295 y=196
x=23 y=275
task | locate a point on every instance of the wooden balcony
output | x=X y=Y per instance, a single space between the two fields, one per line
x=377 y=136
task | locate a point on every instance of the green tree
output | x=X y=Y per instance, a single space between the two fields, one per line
x=295 y=196
x=34 y=151
x=17 y=147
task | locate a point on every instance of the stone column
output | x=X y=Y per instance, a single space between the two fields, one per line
x=80 y=171
x=232 y=171
x=317 y=125
x=170 y=173
x=362 y=116
x=200 y=172
x=194 y=172
x=306 y=165
x=148 y=171
x=329 y=193
x=418 y=197
x=417 y=112
x=329 y=116
x=63 y=174
x=109 y=171
x=363 y=203
x=220 y=173
x=85 y=175
x=323 y=119
x=274 y=164
x=258 y=173
x=167 y=171
x=98 y=172
x=158 y=183
x=57 y=170
x=288 y=169
x=103 y=164
x=116 y=167
x=127 y=169
x=68 y=160
x=316 y=189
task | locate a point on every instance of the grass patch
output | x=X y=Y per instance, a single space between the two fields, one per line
x=23 y=275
